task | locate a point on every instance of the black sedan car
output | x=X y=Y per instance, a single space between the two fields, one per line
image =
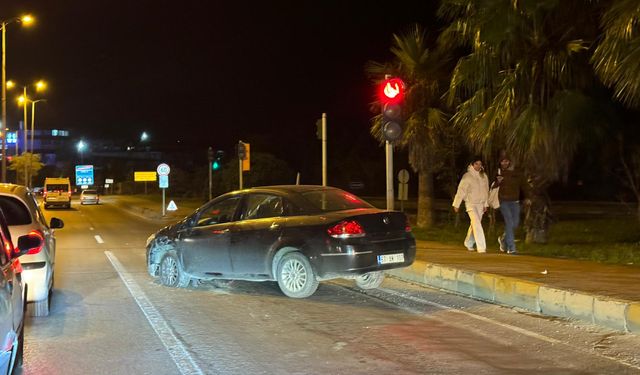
x=296 y=235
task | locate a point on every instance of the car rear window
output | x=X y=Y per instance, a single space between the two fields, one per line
x=57 y=187
x=15 y=211
x=90 y=192
x=334 y=200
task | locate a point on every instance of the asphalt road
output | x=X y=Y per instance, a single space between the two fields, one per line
x=109 y=317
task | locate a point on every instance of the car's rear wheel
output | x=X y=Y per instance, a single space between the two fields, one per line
x=370 y=280
x=171 y=273
x=295 y=276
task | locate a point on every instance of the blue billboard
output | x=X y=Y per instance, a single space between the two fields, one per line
x=84 y=175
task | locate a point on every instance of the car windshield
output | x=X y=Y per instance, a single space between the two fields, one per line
x=15 y=211
x=90 y=192
x=334 y=200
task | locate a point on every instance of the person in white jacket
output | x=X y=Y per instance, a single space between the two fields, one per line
x=474 y=191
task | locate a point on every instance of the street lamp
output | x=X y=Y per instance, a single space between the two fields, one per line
x=26 y=21
x=81 y=146
x=144 y=137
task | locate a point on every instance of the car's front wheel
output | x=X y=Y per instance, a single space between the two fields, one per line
x=370 y=280
x=171 y=273
x=295 y=276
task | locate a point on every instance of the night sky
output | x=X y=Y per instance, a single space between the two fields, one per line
x=208 y=73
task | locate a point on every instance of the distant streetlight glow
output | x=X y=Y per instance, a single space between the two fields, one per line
x=144 y=137
x=81 y=146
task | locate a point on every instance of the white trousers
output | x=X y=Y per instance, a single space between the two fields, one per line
x=475 y=234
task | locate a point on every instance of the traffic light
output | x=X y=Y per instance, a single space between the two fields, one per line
x=242 y=150
x=391 y=95
x=217 y=162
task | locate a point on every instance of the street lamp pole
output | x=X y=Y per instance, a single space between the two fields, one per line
x=3 y=135
x=33 y=120
x=26 y=20
x=25 y=149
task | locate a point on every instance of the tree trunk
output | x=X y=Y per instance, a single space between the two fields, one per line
x=426 y=212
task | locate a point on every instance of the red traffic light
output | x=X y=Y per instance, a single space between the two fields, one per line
x=391 y=91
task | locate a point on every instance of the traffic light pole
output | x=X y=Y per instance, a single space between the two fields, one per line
x=240 y=172
x=389 y=163
x=210 y=180
x=324 y=149
x=210 y=158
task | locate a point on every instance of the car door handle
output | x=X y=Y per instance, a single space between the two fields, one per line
x=274 y=226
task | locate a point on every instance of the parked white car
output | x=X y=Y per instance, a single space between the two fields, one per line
x=25 y=218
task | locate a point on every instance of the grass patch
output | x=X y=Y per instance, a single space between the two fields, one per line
x=610 y=240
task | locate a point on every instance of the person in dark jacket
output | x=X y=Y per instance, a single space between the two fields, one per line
x=512 y=183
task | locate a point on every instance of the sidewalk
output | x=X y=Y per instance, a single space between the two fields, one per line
x=606 y=295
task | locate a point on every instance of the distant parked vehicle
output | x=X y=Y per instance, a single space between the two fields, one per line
x=89 y=196
x=25 y=218
x=13 y=290
x=296 y=235
x=57 y=192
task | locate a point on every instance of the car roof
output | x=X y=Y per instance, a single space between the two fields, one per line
x=288 y=188
x=14 y=189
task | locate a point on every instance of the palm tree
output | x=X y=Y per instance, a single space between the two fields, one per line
x=426 y=132
x=617 y=57
x=521 y=87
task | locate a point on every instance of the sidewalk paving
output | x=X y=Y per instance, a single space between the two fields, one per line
x=606 y=295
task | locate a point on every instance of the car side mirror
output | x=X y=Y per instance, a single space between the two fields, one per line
x=29 y=244
x=56 y=223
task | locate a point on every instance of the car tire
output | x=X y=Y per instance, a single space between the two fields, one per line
x=295 y=276
x=370 y=280
x=171 y=273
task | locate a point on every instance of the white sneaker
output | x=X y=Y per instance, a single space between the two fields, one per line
x=471 y=249
x=501 y=243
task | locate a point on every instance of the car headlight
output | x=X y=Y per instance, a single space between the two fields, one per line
x=150 y=239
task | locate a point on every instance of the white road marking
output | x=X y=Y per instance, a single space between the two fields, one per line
x=174 y=346
x=504 y=325
x=478 y=317
x=91 y=228
x=98 y=238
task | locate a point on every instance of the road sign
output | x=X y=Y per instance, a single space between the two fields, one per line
x=403 y=176
x=84 y=175
x=163 y=169
x=108 y=181
x=172 y=206
x=144 y=176
x=163 y=181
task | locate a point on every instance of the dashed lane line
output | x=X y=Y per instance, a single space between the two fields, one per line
x=98 y=238
x=174 y=346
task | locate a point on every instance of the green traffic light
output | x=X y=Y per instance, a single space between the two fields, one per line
x=215 y=166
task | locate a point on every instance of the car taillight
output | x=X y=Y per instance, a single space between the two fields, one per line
x=407 y=226
x=346 y=229
x=38 y=234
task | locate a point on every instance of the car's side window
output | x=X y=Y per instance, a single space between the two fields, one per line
x=259 y=206
x=219 y=212
x=35 y=208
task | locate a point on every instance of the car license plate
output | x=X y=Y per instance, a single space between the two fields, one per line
x=390 y=258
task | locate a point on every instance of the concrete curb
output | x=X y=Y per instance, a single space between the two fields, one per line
x=616 y=314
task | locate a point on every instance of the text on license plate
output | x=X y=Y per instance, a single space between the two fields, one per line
x=390 y=258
